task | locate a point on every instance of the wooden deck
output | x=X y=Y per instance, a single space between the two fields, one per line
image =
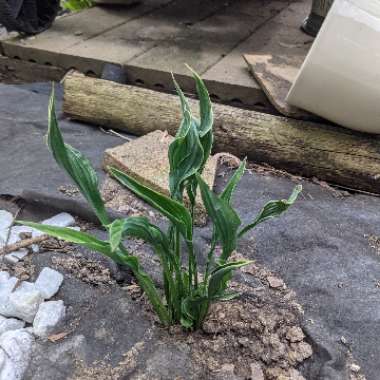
x=155 y=37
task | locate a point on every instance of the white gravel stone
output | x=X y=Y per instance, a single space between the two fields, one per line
x=7 y=368
x=35 y=248
x=62 y=219
x=17 y=345
x=15 y=256
x=3 y=237
x=49 y=315
x=29 y=330
x=4 y=276
x=23 y=303
x=3 y=357
x=9 y=324
x=6 y=219
x=6 y=288
x=48 y=282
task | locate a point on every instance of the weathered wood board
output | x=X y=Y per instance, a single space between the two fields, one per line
x=276 y=63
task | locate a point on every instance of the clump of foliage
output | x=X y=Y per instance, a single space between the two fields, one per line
x=77 y=5
x=187 y=294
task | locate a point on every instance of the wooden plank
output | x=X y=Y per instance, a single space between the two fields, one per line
x=151 y=44
x=137 y=36
x=243 y=86
x=73 y=29
x=276 y=64
x=305 y=148
x=204 y=43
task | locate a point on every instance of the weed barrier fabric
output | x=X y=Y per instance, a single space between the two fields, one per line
x=320 y=247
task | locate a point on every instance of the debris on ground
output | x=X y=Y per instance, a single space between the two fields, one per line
x=15 y=239
x=89 y=271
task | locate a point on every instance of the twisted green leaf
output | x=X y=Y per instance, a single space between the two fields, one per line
x=77 y=237
x=140 y=228
x=272 y=209
x=206 y=117
x=185 y=157
x=173 y=210
x=76 y=165
x=224 y=217
x=232 y=183
x=194 y=309
x=220 y=276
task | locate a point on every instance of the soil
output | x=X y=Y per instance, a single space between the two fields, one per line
x=260 y=331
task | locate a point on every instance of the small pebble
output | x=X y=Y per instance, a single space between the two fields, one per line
x=6 y=219
x=49 y=315
x=275 y=282
x=23 y=303
x=49 y=282
x=16 y=256
x=355 y=368
x=8 y=324
x=295 y=334
x=17 y=345
x=63 y=219
x=4 y=276
x=256 y=371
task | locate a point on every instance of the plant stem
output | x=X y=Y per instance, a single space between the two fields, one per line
x=192 y=265
x=209 y=258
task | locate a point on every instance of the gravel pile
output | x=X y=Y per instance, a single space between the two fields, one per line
x=26 y=309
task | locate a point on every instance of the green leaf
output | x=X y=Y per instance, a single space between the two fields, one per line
x=76 y=165
x=72 y=236
x=205 y=106
x=140 y=228
x=173 y=210
x=185 y=157
x=226 y=296
x=224 y=217
x=115 y=231
x=186 y=154
x=194 y=309
x=273 y=209
x=184 y=103
x=206 y=117
x=148 y=286
x=232 y=183
x=220 y=276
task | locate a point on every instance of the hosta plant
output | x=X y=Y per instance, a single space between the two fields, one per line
x=188 y=290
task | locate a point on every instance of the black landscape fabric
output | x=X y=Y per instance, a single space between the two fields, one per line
x=321 y=247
